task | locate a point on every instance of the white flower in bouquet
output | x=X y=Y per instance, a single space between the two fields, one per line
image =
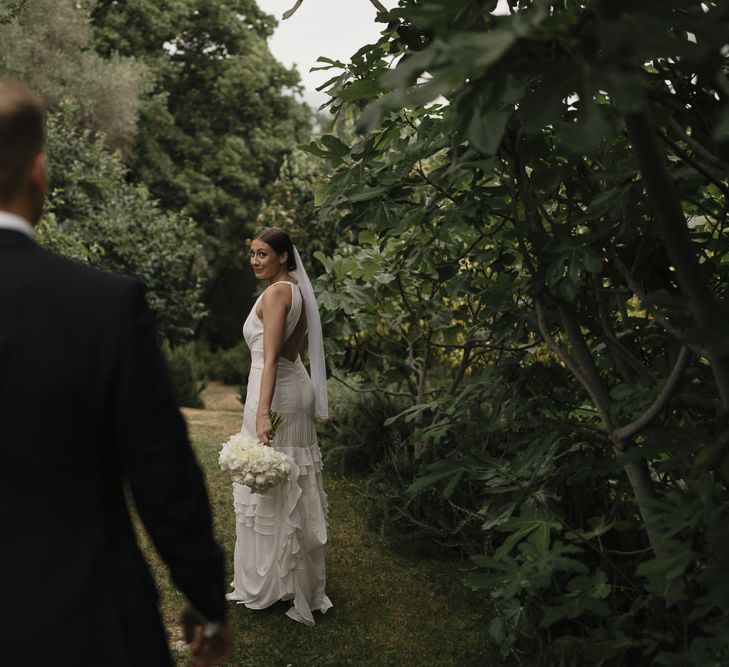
x=251 y=463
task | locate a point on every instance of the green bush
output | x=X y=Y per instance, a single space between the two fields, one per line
x=230 y=365
x=538 y=266
x=107 y=91
x=97 y=216
x=186 y=374
x=356 y=438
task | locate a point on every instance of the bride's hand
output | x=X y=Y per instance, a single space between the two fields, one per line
x=264 y=429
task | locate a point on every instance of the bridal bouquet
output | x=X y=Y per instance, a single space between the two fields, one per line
x=251 y=463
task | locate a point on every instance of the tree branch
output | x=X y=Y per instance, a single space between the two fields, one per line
x=671 y=222
x=433 y=184
x=554 y=346
x=422 y=382
x=593 y=383
x=483 y=344
x=380 y=7
x=696 y=147
x=633 y=428
x=722 y=84
x=460 y=374
x=372 y=390
x=462 y=368
x=631 y=282
x=625 y=360
x=712 y=178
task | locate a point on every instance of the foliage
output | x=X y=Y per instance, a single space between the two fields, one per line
x=201 y=113
x=101 y=218
x=213 y=132
x=47 y=47
x=186 y=374
x=52 y=237
x=537 y=266
x=94 y=215
x=229 y=365
x=291 y=205
x=11 y=10
x=355 y=440
x=375 y=586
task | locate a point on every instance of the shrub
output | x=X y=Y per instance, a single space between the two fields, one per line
x=520 y=281
x=356 y=438
x=97 y=216
x=230 y=365
x=49 y=47
x=186 y=374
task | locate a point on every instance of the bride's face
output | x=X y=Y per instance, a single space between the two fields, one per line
x=266 y=262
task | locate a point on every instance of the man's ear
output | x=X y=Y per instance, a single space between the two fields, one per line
x=38 y=173
x=36 y=188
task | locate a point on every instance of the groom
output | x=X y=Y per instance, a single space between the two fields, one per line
x=86 y=414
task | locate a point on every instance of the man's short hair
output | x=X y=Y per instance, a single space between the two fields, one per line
x=22 y=134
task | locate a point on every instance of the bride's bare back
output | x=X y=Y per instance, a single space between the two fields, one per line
x=295 y=345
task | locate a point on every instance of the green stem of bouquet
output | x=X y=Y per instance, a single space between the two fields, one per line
x=276 y=421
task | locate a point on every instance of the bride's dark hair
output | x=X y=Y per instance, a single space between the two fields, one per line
x=280 y=241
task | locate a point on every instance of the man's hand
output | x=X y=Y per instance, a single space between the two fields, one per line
x=206 y=651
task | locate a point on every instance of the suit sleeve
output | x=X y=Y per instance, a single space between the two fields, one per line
x=156 y=457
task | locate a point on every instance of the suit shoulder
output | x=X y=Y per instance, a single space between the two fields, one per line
x=70 y=281
x=74 y=271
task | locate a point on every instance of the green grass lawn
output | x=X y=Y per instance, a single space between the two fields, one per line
x=391 y=606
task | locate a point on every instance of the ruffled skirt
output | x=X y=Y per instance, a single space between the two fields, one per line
x=281 y=535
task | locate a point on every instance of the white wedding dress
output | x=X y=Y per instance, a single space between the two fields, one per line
x=280 y=535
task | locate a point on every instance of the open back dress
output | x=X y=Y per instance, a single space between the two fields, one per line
x=281 y=535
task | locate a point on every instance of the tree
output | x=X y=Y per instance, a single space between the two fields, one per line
x=11 y=11
x=291 y=205
x=95 y=215
x=543 y=288
x=48 y=47
x=213 y=134
x=99 y=217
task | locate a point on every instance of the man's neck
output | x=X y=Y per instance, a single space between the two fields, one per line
x=19 y=208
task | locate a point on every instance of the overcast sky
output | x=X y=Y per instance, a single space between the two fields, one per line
x=332 y=28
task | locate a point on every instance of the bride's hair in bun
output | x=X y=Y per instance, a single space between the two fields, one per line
x=280 y=241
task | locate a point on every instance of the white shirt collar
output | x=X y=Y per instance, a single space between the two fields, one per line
x=16 y=223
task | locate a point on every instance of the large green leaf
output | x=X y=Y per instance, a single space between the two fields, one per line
x=538 y=530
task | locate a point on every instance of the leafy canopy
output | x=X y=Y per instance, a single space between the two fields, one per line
x=536 y=266
x=216 y=127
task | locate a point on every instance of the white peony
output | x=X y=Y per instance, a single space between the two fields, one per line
x=251 y=463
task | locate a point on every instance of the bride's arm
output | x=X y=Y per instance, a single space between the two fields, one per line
x=275 y=304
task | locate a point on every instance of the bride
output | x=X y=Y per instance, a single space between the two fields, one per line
x=280 y=535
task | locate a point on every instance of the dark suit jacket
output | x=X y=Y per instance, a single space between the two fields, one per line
x=85 y=408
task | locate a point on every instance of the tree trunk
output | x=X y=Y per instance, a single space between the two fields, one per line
x=636 y=470
x=674 y=232
x=420 y=444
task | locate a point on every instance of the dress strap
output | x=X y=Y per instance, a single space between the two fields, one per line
x=292 y=318
x=282 y=282
x=279 y=282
